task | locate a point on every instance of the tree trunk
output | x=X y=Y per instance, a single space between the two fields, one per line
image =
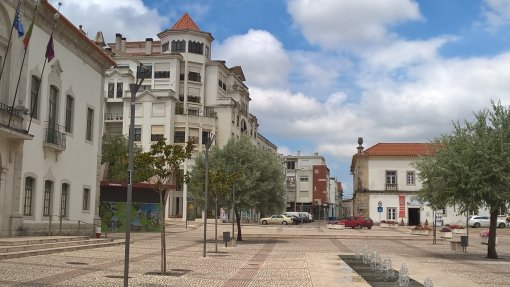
x=162 y=200
x=238 y=219
x=491 y=247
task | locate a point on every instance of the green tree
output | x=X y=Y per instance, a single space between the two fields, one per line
x=470 y=168
x=159 y=166
x=259 y=181
x=115 y=154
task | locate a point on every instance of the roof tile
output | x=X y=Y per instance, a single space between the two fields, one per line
x=399 y=149
x=185 y=23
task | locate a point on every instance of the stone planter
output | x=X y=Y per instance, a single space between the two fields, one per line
x=420 y=232
x=384 y=225
x=330 y=226
x=485 y=240
x=459 y=231
x=446 y=234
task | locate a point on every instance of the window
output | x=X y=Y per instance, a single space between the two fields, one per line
x=52 y=107
x=195 y=47
x=34 y=101
x=111 y=89
x=303 y=178
x=179 y=46
x=291 y=165
x=161 y=74
x=138 y=134
x=193 y=112
x=391 y=177
x=392 y=213
x=442 y=211
x=63 y=199
x=222 y=79
x=69 y=113
x=48 y=187
x=179 y=137
x=86 y=199
x=194 y=76
x=165 y=46
x=410 y=178
x=90 y=122
x=120 y=87
x=29 y=193
x=157 y=133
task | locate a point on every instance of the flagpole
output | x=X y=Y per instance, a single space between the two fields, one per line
x=22 y=62
x=55 y=18
x=9 y=41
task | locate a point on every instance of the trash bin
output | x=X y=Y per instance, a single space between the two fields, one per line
x=226 y=237
x=464 y=242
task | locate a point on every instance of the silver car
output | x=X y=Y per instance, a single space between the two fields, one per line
x=484 y=221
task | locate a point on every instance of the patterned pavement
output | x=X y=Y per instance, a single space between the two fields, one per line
x=302 y=256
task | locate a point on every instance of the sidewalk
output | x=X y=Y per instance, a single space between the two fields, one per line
x=294 y=256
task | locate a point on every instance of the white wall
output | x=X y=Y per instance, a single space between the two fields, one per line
x=377 y=168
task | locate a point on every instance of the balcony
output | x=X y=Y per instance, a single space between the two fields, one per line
x=55 y=136
x=391 y=186
x=112 y=117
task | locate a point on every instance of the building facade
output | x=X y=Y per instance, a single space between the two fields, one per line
x=188 y=96
x=308 y=185
x=59 y=99
x=386 y=185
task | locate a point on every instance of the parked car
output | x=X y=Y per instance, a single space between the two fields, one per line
x=358 y=221
x=295 y=219
x=277 y=219
x=484 y=221
x=303 y=216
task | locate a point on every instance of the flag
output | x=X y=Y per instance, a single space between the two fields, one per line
x=26 y=40
x=50 y=53
x=17 y=24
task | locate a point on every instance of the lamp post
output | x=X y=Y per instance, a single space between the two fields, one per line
x=208 y=144
x=142 y=72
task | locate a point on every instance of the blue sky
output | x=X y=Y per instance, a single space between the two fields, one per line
x=322 y=73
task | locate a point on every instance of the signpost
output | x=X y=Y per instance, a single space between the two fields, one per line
x=379 y=209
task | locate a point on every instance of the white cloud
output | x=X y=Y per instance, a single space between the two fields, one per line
x=131 y=18
x=335 y=24
x=263 y=58
x=496 y=13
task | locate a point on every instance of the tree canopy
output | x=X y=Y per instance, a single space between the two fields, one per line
x=470 y=168
x=256 y=174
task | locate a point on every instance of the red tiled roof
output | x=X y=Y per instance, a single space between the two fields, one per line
x=185 y=23
x=399 y=149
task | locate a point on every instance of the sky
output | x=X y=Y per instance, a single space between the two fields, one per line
x=322 y=73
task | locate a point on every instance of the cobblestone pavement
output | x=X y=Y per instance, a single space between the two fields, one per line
x=297 y=259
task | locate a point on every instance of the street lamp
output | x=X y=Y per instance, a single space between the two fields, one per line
x=208 y=143
x=142 y=72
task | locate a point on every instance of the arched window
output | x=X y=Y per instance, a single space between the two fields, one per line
x=64 y=199
x=179 y=46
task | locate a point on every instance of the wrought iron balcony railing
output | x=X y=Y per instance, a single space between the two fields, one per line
x=55 y=134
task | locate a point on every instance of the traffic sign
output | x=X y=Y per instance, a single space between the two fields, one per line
x=379 y=209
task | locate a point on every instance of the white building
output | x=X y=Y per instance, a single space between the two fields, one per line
x=56 y=172
x=386 y=185
x=187 y=96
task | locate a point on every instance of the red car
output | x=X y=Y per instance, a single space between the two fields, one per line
x=358 y=221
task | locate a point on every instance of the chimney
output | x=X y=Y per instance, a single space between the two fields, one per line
x=148 y=46
x=123 y=45
x=118 y=38
x=360 y=147
x=316 y=154
x=298 y=153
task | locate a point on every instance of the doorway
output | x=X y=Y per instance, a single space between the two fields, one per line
x=414 y=216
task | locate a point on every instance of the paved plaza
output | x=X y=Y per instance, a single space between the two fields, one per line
x=303 y=255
